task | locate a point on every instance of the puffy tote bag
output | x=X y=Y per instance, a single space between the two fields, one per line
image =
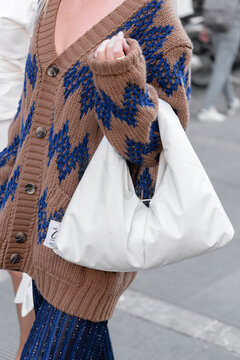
x=107 y=227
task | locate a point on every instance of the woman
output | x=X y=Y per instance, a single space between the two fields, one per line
x=226 y=45
x=16 y=25
x=93 y=68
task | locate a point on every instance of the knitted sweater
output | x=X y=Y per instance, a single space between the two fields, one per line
x=68 y=102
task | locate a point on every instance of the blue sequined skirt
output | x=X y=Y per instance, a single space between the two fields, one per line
x=56 y=335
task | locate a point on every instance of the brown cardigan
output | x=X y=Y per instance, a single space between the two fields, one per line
x=68 y=102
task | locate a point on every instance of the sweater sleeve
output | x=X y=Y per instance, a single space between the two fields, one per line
x=126 y=104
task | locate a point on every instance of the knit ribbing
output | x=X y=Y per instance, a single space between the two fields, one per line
x=90 y=301
x=73 y=100
x=121 y=66
x=88 y=41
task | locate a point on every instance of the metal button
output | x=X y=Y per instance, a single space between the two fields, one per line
x=41 y=132
x=30 y=189
x=20 y=237
x=15 y=258
x=53 y=70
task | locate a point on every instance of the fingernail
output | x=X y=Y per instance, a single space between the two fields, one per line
x=120 y=34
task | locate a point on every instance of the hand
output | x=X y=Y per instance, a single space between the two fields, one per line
x=113 y=49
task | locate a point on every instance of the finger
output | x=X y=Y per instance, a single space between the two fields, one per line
x=101 y=50
x=118 y=48
x=109 y=49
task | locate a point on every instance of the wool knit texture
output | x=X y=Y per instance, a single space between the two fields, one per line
x=85 y=99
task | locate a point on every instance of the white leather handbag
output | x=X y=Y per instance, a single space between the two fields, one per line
x=107 y=227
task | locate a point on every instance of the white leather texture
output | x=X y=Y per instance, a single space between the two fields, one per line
x=107 y=227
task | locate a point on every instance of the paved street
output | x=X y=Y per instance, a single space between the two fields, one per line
x=186 y=311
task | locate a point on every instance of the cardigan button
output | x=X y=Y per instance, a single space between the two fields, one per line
x=20 y=237
x=30 y=189
x=15 y=258
x=52 y=70
x=41 y=132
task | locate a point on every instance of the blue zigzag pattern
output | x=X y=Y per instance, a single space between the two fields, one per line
x=151 y=39
x=67 y=160
x=44 y=219
x=143 y=185
x=133 y=96
x=31 y=71
x=136 y=150
x=169 y=80
x=8 y=189
x=18 y=109
x=10 y=152
x=187 y=87
x=82 y=76
x=2 y=192
x=26 y=125
x=142 y=20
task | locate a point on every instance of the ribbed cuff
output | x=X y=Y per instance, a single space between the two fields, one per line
x=117 y=67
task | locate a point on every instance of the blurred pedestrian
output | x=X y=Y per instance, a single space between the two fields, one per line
x=223 y=19
x=16 y=23
x=94 y=68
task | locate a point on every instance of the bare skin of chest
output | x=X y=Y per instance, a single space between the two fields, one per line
x=76 y=17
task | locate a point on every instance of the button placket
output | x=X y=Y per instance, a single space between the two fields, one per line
x=30 y=184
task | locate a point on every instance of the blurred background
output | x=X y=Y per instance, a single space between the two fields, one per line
x=190 y=310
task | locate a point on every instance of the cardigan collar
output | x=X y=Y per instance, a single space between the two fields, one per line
x=88 y=41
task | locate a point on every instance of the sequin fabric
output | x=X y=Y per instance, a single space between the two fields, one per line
x=71 y=101
x=56 y=335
